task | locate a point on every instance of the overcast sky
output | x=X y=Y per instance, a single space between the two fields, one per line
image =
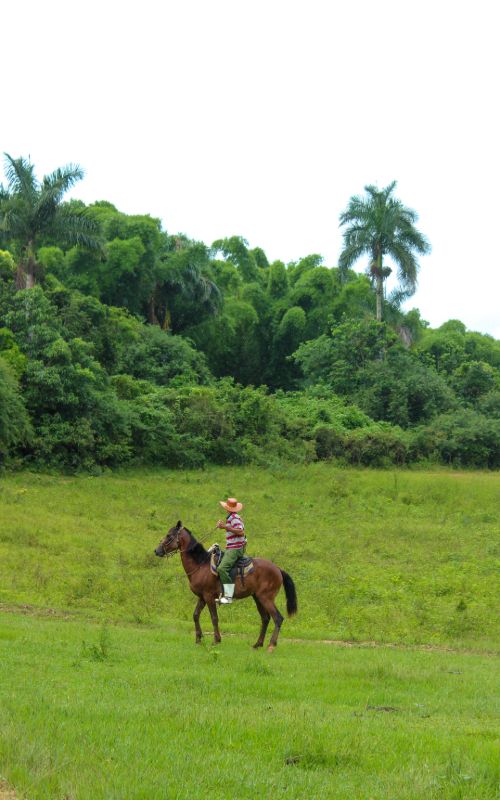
x=261 y=119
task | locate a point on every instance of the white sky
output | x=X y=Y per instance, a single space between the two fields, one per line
x=261 y=118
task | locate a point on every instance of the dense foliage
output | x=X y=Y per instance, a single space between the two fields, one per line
x=121 y=343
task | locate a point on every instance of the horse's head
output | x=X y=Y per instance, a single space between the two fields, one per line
x=170 y=543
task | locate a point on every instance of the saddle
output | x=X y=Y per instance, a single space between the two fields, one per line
x=243 y=567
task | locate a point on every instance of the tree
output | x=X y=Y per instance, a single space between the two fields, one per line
x=398 y=389
x=185 y=292
x=289 y=335
x=473 y=379
x=129 y=273
x=380 y=225
x=32 y=211
x=235 y=249
x=277 y=285
x=15 y=426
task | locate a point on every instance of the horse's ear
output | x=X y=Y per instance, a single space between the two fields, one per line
x=179 y=525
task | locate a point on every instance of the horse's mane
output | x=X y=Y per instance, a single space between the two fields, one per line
x=196 y=550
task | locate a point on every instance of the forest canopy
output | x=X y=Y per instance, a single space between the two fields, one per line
x=123 y=343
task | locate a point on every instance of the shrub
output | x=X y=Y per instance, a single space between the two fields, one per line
x=463 y=438
x=377 y=447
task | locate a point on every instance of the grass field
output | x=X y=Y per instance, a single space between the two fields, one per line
x=103 y=693
x=129 y=713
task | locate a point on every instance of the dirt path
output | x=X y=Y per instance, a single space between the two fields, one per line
x=430 y=648
x=6 y=792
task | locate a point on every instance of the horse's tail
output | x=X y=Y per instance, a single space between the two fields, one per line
x=291 y=594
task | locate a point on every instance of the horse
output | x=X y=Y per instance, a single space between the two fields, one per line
x=263 y=584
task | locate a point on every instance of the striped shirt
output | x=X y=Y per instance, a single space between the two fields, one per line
x=234 y=540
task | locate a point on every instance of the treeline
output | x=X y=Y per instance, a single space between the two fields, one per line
x=120 y=344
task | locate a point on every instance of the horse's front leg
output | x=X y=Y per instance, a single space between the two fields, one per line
x=196 y=616
x=215 y=620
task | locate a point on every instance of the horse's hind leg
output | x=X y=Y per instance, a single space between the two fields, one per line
x=215 y=620
x=196 y=616
x=265 y=617
x=278 y=619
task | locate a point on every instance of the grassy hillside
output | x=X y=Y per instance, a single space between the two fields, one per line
x=105 y=696
x=388 y=556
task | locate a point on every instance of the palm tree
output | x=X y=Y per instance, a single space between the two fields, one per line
x=381 y=225
x=31 y=210
x=184 y=292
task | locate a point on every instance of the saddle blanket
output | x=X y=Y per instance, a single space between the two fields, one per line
x=243 y=567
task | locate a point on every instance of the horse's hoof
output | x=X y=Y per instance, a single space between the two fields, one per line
x=257 y=645
x=271 y=647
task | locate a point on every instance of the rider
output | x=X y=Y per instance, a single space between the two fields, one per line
x=235 y=545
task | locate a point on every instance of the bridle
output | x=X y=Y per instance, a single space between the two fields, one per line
x=170 y=540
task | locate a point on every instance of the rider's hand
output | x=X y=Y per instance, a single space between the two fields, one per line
x=221 y=524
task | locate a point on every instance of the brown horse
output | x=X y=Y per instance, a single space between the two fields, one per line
x=263 y=584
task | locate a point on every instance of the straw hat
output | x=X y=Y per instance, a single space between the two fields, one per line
x=231 y=505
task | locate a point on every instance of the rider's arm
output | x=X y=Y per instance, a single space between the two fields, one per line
x=230 y=529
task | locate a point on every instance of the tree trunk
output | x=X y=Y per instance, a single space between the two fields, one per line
x=152 y=318
x=379 y=286
x=379 y=293
x=167 y=322
x=20 y=277
x=29 y=267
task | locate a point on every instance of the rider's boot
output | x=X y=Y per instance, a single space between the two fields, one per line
x=228 y=593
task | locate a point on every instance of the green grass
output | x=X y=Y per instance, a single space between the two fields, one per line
x=124 y=712
x=103 y=693
x=387 y=556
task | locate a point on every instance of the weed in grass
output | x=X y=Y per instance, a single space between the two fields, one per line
x=212 y=650
x=100 y=651
x=258 y=668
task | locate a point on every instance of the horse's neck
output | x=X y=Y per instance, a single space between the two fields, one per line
x=188 y=561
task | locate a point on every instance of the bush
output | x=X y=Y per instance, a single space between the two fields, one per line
x=377 y=447
x=233 y=422
x=329 y=443
x=464 y=438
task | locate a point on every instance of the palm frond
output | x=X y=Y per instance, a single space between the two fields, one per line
x=350 y=254
x=384 y=193
x=13 y=222
x=76 y=227
x=413 y=238
x=61 y=180
x=398 y=296
x=406 y=262
x=20 y=174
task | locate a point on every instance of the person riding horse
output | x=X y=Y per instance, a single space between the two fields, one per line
x=235 y=546
x=262 y=584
